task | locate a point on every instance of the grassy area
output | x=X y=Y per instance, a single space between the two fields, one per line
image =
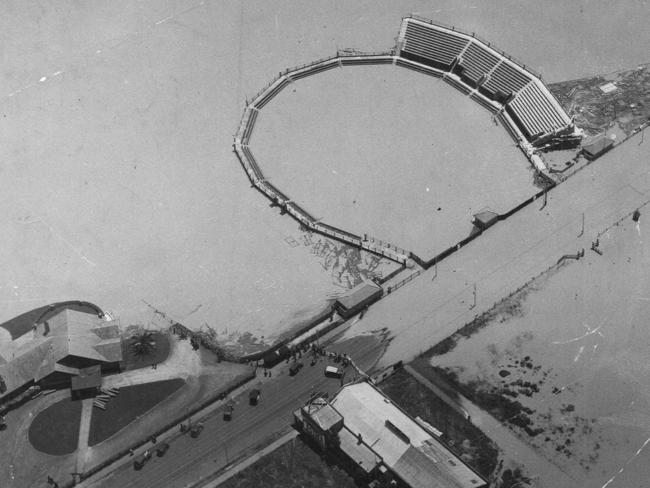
x=23 y=323
x=294 y=465
x=158 y=353
x=465 y=439
x=132 y=402
x=55 y=430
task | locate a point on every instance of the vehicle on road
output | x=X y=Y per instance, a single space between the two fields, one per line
x=254 y=397
x=141 y=460
x=295 y=367
x=196 y=429
x=333 y=372
x=161 y=449
x=227 y=411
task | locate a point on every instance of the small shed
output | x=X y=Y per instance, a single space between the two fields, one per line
x=358 y=298
x=485 y=219
x=597 y=147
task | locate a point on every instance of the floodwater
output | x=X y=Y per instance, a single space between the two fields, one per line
x=580 y=337
x=398 y=155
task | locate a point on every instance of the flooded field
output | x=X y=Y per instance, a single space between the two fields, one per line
x=391 y=153
x=568 y=357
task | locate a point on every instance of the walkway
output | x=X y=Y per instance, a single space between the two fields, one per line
x=84 y=431
x=513 y=447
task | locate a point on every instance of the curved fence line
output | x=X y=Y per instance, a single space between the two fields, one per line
x=256 y=176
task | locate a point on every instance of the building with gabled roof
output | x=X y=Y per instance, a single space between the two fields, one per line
x=380 y=441
x=58 y=349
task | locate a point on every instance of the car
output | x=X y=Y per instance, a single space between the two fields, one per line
x=141 y=460
x=161 y=449
x=227 y=411
x=333 y=372
x=254 y=397
x=196 y=430
x=295 y=367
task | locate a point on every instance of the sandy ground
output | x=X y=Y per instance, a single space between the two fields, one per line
x=397 y=155
x=117 y=174
x=575 y=353
x=118 y=180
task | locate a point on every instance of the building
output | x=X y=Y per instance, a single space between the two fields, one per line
x=357 y=299
x=375 y=439
x=70 y=349
x=597 y=147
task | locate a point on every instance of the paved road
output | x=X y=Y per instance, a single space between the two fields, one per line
x=190 y=462
x=506 y=256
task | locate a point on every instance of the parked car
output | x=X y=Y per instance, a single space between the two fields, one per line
x=333 y=372
x=295 y=367
x=161 y=449
x=254 y=397
x=196 y=430
x=141 y=460
x=227 y=411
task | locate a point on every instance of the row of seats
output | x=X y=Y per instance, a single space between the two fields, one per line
x=536 y=112
x=436 y=45
x=506 y=79
x=477 y=61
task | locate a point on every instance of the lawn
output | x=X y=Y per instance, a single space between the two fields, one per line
x=294 y=465
x=55 y=430
x=131 y=403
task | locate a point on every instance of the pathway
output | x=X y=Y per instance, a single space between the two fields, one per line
x=84 y=432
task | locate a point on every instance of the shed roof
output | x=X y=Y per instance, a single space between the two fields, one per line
x=359 y=293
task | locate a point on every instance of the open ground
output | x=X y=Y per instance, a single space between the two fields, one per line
x=572 y=351
x=391 y=153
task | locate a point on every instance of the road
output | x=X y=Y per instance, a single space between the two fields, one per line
x=191 y=462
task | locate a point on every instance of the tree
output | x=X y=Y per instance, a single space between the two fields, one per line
x=142 y=344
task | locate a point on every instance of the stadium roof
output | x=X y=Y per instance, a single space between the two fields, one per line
x=35 y=355
x=408 y=450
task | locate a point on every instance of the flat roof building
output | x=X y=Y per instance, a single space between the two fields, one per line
x=358 y=298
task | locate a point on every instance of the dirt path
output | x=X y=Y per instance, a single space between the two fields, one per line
x=511 y=445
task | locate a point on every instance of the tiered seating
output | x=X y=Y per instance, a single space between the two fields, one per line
x=477 y=61
x=536 y=111
x=484 y=101
x=506 y=79
x=252 y=163
x=432 y=43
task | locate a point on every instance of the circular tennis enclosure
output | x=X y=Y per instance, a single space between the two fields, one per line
x=396 y=152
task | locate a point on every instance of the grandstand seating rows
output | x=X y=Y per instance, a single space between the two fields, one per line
x=477 y=61
x=535 y=111
x=433 y=44
x=506 y=79
x=533 y=108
